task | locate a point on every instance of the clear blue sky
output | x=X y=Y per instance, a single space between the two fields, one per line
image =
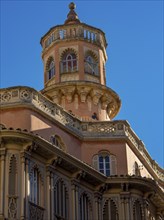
x=134 y=32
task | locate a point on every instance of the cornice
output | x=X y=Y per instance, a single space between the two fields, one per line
x=16 y=97
x=108 y=98
x=80 y=171
x=58 y=27
x=35 y=144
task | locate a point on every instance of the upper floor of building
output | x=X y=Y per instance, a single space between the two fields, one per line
x=74 y=58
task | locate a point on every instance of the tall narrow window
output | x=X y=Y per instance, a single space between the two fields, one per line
x=137 y=211
x=91 y=65
x=35 y=186
x=61 y=201
x=36 y=195
x=51 y=70
x=105 y=163
x=110 y=211
x=85 y=208
x=69 y=62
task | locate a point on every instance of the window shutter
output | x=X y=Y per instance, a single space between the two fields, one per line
x=95 y=162
x=113 y=165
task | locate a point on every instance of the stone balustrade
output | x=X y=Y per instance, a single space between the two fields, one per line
x=35 y=212
x=15 y=96
x=68 y=32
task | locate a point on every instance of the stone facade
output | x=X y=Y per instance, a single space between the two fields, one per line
x=58 y=160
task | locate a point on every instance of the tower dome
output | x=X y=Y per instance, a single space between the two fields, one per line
x=74 y=57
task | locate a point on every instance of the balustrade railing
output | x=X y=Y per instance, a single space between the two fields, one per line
x=73 y=32
x=115 y=129
x=35 y=212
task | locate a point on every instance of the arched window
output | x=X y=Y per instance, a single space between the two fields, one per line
x=36 y=188
x=69 y=62
x=57 y=141
x=137 y=211
x=85 y=208
x=105 y=163
x=91 y=65
x=136 y=169
x=61 y=210
x=110 y=210
x=51 y=70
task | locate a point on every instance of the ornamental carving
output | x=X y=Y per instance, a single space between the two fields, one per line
x=83 y=92
x=68 y=92
x=35 y=212
x=12 y=210
x=6 y=96
x=25 y=94
x=74 y=123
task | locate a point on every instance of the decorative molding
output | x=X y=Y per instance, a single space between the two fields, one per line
x=98 y=94
x=76 y=31
x=25 y=96
x=35 y=211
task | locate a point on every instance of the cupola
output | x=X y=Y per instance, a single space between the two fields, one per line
x=74 y=57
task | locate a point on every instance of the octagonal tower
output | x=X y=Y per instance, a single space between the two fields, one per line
x=74 y=56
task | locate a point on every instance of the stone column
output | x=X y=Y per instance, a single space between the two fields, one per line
x=122 y=209
x=75 y=202
x=22 y=198
x=109 y=210
x=52 y=195
x=81 y=64
x=97 y=210
x=125 y=208
x=48 y=194
x=27 y=188
x=2 y=179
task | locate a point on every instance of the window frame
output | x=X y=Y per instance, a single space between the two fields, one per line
x=109 y=167
x=69 y=62
x=91 y=66
x=51 y=70
x=36 y=187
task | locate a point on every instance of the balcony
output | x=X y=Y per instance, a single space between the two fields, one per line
x=74 y=32
x=35 y=212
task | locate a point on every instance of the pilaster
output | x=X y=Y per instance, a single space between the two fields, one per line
x=22 y=198
x=75 y=200
x=2 y=179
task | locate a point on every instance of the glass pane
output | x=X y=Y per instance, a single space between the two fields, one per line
x=69 y=57
x=101 y=166
x=107 y=172
x=107 y=165
x=107 y=159
x=100 y=159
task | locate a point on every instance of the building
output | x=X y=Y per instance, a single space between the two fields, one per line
x=63 y=156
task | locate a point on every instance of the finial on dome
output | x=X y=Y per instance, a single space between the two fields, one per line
x=72 y=17
x=72 y=5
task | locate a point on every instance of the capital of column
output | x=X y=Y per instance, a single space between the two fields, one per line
x=22 y=156
x=2 y=153
x=97 y=196
x=74 y=184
